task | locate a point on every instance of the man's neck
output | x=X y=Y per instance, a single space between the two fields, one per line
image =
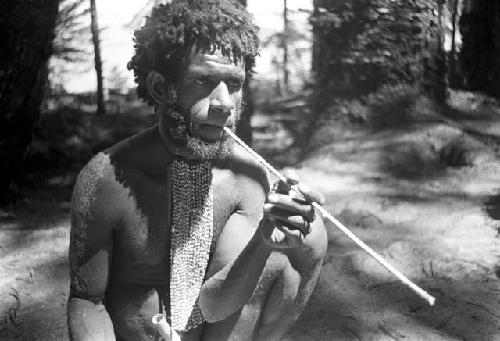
x=170 y=145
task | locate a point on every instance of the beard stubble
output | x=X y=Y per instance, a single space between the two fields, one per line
x=178 y=127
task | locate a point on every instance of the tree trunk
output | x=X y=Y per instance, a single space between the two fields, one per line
x=27 y=28
x=434 y=72
x=101 y=110
x=480 y=55
x=244 y=128
x=453 y=77
x=286 y=71
x=362 y=45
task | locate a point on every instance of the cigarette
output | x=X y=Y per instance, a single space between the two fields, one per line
x=161 y=324
x=418 y=290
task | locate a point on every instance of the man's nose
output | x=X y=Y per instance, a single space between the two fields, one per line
x=220 y=100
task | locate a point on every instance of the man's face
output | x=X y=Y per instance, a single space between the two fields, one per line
x=210 y=92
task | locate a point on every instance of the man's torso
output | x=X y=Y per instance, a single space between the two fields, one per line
x=140 y=270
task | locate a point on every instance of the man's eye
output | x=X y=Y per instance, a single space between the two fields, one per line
x=201 y=81
x=234 y=84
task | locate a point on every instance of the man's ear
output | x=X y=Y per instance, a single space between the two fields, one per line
x=157 y=87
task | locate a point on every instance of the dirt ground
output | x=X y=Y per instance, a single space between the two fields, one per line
x=438 y=228
x=438 y=225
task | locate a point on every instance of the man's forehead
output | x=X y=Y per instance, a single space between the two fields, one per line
x=200 y=57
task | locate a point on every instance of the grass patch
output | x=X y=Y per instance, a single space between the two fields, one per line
x=457 y=152
x=392 y=106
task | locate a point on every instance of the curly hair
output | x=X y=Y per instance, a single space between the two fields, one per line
x=165 y=41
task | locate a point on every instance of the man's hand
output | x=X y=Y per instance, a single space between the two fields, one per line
x=287 y=218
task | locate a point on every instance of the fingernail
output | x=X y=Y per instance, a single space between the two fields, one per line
x=322 y=200
x=292 y=176
x=272 y=197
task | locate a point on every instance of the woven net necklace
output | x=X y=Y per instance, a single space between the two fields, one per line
x=191 y=193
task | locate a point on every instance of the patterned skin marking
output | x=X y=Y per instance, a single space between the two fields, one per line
x=84 y=194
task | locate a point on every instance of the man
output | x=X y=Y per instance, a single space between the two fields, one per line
x=180 y=220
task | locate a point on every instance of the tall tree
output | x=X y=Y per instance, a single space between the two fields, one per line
x=289 y=48
x=27 y=28
x=244 y=128
x=101 y=110
x=480 y=54
x=70 y=45
x=452 y=65
x=433 y=55
x=286 y=71
x=361 y=45
x=71 y=31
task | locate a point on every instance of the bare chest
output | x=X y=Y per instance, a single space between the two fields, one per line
x=142 y=240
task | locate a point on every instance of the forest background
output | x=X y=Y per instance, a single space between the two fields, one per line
x=391 y=108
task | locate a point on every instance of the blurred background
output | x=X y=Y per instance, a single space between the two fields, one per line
x=391 y=108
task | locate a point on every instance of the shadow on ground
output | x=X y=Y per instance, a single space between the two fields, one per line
x=492 y=206
x=34 y=301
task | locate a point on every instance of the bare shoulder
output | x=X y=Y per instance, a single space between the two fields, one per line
x=96 y=170
x=142 y=151
x=94 y=184
x=101 y=181
x=246 y=169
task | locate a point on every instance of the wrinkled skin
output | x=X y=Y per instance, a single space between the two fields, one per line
x=269 y=245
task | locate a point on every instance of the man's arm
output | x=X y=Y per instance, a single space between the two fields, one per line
x=294 y=287
x=93 y=216
x=301 y=236
x=242 y=252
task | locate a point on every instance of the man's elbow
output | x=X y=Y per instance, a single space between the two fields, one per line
x=210 y=310
x=216 y=309
x=210 y=315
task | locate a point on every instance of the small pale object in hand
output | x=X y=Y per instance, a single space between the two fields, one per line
x=161 y=324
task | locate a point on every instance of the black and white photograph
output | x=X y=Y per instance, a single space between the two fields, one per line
x=250 y=170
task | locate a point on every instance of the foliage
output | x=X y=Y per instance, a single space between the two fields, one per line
x=296 y=43
x=480 y=54
x=457 y=152
x=168 y=35
x=71 y=41
x=365 y=44
x=68 y=137
x=389 y=107
x=27 y=27
x=116 y=80
x=71 y=32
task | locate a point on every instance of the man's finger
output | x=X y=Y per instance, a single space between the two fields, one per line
x=311 y=195
x=292 y=178
x=278 y=238
x=293 y=224
x=281 y=187
x=289 y=231
x=288 y=203
x=272 y=211
x=284 y=187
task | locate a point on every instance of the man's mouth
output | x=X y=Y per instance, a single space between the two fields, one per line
x=211 y=125
x=208 y=131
